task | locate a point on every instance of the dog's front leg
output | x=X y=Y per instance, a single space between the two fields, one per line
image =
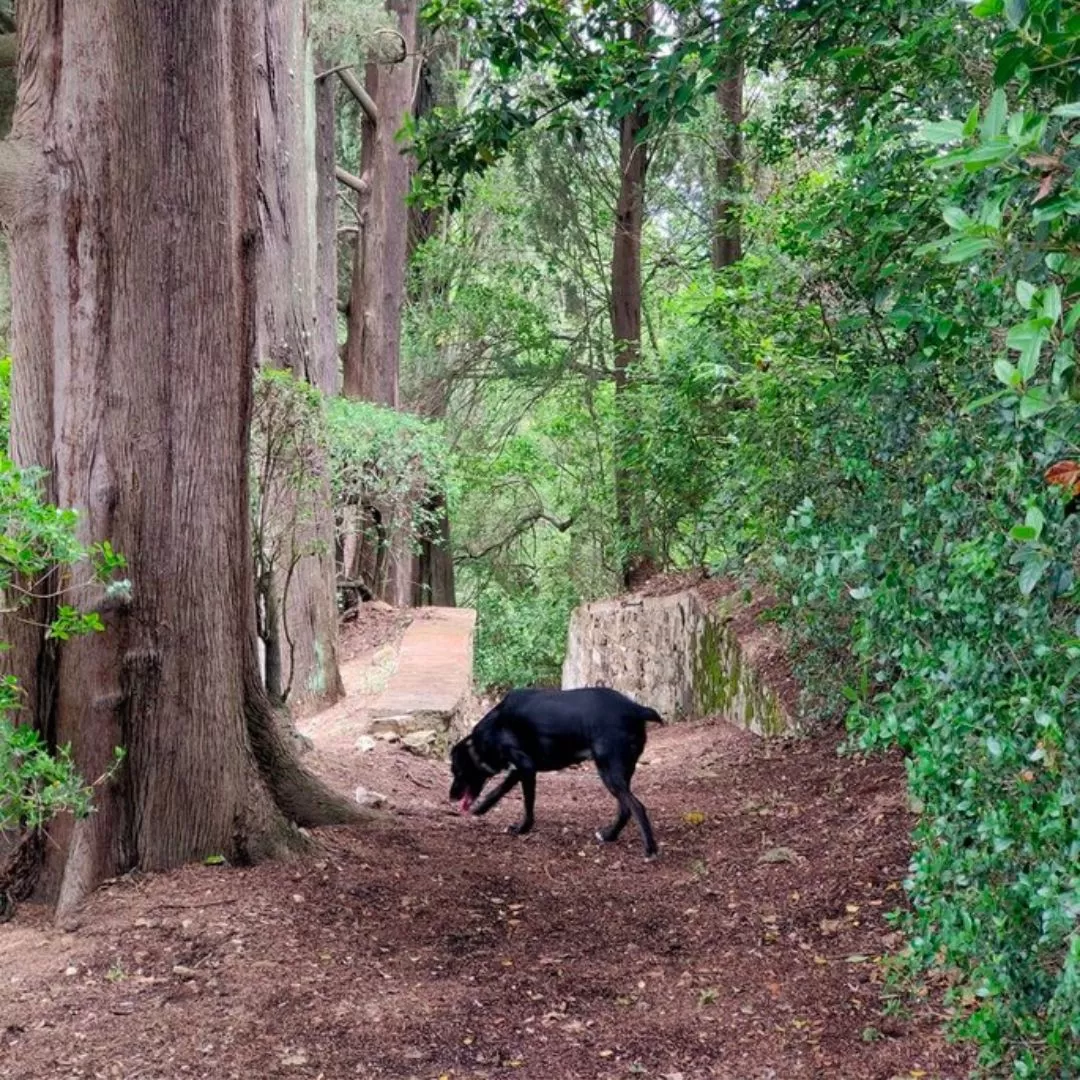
x=509 y=781
x=528 y=793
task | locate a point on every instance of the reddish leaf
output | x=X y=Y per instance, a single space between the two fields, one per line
x=1045 y=187
x=1064 y=474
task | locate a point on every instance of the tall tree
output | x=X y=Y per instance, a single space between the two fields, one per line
x=544 y=62
x=373 y=346
x=433 y=568
x=135 y=308
x=372 y=356
x=626 y=285
x=296 y=331
x=726 y=247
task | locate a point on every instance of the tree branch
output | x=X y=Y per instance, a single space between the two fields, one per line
x=357 y=183
x=519 y=530
x=356 y=88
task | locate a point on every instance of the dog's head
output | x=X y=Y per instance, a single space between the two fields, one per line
x=470 y=774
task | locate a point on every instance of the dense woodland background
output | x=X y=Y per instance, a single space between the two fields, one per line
x=545 y=298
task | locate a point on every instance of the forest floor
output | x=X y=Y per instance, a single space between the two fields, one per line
x=433 y=946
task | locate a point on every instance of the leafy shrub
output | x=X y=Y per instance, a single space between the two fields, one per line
x=387 y=472
x=521 y=635
x=287 y=488
x=39 y=552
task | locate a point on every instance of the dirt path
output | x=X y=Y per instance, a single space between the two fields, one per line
x=433 y=946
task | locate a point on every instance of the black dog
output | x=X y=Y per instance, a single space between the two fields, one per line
x=533 y=731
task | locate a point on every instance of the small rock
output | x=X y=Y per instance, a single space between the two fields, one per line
x=364 y=797
x=382 y=726
x=779 y=855
x=298 y=898
x=184 y=972
x=365 y=743
x=420 y=742
x=294 y=1058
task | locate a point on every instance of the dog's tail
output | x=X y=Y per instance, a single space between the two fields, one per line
x=652 y=716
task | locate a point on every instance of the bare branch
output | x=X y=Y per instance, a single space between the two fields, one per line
x=357 y=183
x=356 y=88
x=520 y=529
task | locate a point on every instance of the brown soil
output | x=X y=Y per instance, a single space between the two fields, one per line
x=433 y=946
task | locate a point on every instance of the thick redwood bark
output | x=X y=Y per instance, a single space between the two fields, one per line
x=135 y=306
x=726 y=247
x=626 y=293
x=292 y=334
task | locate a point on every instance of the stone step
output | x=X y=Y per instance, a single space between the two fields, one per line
x=431 y=684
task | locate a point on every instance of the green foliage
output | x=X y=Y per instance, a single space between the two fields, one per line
x=38 y=552
x=287 y=490
x=5 y=402
x=387 y=471
x=521 y=635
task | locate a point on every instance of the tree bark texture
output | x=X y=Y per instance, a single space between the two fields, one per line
x=135 y=304
x=726 y=246
x=626 y=288
x=373 y=347
x=295 y=327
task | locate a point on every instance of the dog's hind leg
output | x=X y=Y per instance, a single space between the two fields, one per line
x=611 y=833
x=616 y=778
x=508 y=783
x=528 y=793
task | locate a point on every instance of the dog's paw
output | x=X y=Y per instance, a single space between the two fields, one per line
x=520 y=829
x=652 y=856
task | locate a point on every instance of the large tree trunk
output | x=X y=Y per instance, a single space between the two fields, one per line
x=726 y=247
x=373 y=347
x=292 y=335
x=135 y=247
x=626 y=296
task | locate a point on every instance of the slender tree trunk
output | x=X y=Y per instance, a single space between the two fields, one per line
x=135 y=248
x=726 y=247
x=326 y=366
x=373 y=347
x=433 y=568
x=372 y=357
x=626 y=294
x=292 y=308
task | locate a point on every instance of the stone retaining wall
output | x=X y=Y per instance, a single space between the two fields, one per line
x=678 y=654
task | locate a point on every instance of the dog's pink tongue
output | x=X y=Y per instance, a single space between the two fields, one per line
x=466 y=802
